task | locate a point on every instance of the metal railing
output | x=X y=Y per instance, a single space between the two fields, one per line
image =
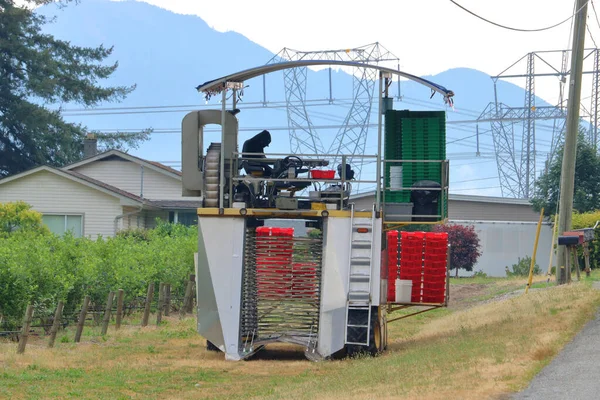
x=338 y=188
x=444 y=172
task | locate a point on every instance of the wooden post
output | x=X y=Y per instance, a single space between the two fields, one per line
x=190 y=304
x=81 y=321
x=107 y=311
x=586 y=257
x=167 y=299
x=120 y=297
x=56 y=323
x=161 y=303
x=186 y=299
x=149 y=297
x=25 y=329
x=576 y=261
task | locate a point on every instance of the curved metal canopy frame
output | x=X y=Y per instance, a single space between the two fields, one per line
x=215 y=86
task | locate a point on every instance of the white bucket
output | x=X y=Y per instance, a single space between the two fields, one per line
x=403 y=290
x=395 y=177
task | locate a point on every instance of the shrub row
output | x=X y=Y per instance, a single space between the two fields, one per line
x=43 y=268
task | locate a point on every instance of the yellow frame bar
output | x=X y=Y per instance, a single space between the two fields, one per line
x=267 y=212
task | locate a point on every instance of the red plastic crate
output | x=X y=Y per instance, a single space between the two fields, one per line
x=436 y=251
x=437 y=235
x=416 y=279
x=427 y=286
x=411 y=250
x=411 y=257
x=435 y=257
x=411 y=264
x=436 y=264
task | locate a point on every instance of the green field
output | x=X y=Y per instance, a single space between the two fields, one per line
x=491 y=341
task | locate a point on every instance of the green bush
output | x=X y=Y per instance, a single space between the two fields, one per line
x=521 y=268
x=46 y=268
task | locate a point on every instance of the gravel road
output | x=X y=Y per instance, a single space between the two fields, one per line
x=574 y=373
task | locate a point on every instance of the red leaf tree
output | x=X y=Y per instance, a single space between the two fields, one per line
x=464 y=245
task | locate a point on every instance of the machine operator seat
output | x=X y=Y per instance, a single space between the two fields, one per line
x=256 y=144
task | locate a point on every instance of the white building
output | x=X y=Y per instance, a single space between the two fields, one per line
x=102 y=194
x=506 y=229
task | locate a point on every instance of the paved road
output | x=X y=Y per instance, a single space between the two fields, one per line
x=574 y=374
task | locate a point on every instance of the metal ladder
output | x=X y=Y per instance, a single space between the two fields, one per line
x=359 y=276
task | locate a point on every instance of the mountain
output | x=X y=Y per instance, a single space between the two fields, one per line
x=166 y=55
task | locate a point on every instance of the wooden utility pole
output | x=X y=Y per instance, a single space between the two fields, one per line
x=567 y=177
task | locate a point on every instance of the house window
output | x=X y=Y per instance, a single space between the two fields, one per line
x=60 y=224
x=183 y=217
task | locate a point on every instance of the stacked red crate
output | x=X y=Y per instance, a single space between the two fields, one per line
x=411 y=261
x=435 y=272
x=392 y=263
x=274 y=247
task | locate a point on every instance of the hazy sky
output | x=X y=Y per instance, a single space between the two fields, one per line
x=429 y=36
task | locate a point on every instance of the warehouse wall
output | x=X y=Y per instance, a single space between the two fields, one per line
x=502 y=243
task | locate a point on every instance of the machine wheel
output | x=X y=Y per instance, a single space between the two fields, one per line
x=211 y=347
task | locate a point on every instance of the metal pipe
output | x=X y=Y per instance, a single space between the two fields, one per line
x=222 y=161
x=535 y=246
x=379 y=122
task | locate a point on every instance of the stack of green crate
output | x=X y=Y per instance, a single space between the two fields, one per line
x=414 y=135
x=393 y=151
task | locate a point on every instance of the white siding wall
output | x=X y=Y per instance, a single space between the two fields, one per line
x=137 y=220
x=481 y=211
x=150 y=218
x=50 y=193
x=474 y=210
x=503 y=243
x=127 y=176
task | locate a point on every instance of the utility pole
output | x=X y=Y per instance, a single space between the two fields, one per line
x=567 y=177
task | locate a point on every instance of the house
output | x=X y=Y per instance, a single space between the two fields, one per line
x=506 y=228
x=102 y=194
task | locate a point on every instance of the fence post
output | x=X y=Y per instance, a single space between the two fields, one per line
x=167 y=299
x=25 y=329
x=56 y=323
x=186 y=299
x=107 y=311
x=161 y=302
x=120 y=297
x=190 y=304
x=81 y=321
x=149 y=297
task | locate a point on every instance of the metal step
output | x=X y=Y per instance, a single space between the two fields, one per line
x=360 y=277
x=360 y=261
x=361 y=244
x=358 y=326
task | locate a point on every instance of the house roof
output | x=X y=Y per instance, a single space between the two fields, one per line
x=156 y=166
x=79 y=178
x=109 y=189
x=177 y=204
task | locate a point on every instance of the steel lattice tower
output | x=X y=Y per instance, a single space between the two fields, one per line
x=517 y=168
x=351 y=137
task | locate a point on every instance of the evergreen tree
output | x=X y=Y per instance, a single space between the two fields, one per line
x=587 y=180
x=38 y=72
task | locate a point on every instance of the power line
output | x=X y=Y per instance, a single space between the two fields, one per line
x=595 y=14
x=519 y=29
x=591 y=36
x=475 y=188
x=478 y=179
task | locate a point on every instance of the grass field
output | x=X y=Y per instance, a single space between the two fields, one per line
x=490 y=342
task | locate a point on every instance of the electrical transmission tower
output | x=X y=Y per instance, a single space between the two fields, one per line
x=351 y=137
x=516 y=153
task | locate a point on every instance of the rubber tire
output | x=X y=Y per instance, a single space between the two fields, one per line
x=211 y=347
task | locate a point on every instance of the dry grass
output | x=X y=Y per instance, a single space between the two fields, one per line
x=484 y=351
